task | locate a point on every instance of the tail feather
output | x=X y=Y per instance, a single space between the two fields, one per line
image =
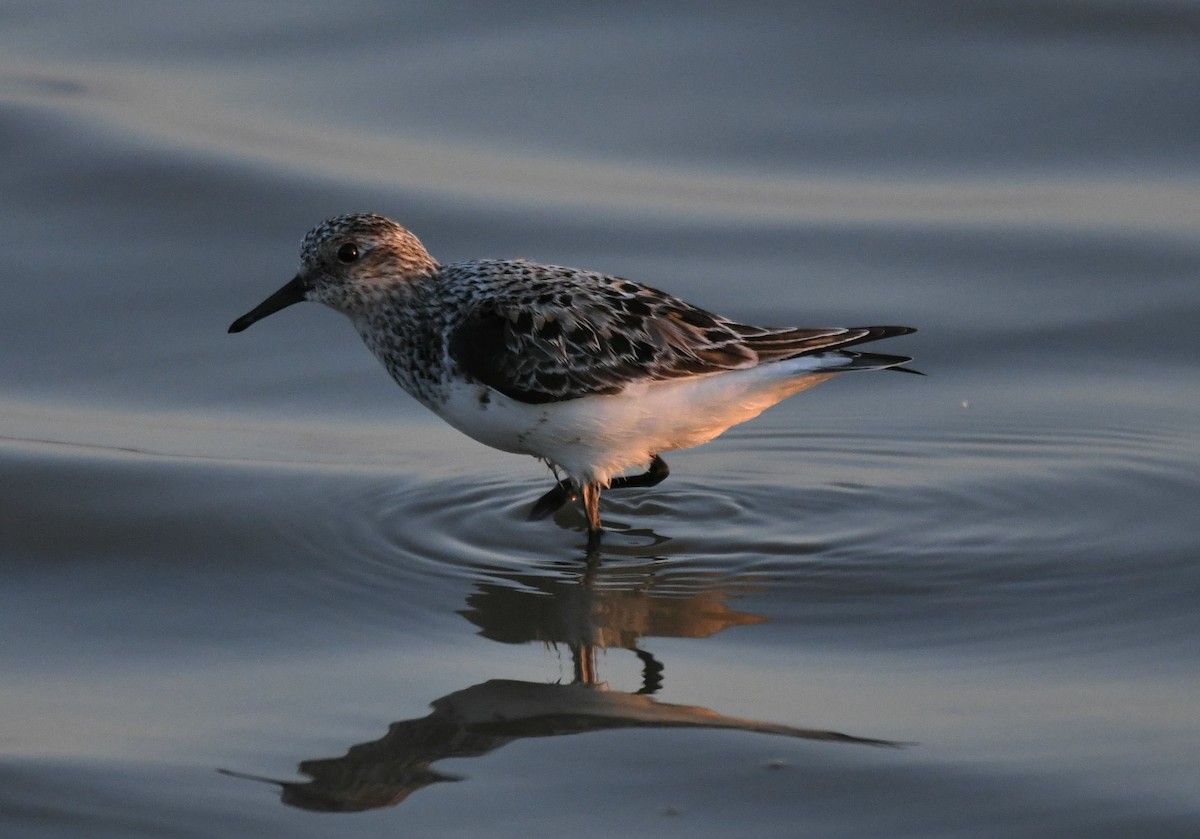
x=783 y=343
x=877 y=361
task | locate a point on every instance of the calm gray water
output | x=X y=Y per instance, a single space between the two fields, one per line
x=250 y=588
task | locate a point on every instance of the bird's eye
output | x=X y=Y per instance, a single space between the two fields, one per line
x=347 y=253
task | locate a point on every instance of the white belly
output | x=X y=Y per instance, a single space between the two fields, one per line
x=598 y=437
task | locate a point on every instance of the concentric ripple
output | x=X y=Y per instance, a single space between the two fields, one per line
x=829 y=527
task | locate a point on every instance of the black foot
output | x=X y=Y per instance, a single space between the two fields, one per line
x=656 y=474
x=564 y=491
x=549 y=503
x=652 y=672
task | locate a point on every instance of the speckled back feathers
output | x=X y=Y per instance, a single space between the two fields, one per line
x=536 y=333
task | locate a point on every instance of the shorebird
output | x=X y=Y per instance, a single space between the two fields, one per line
x=592 y=374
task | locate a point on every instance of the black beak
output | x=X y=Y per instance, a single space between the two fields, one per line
x=291 y=293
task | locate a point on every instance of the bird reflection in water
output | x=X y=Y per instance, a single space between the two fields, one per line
x=583 y=609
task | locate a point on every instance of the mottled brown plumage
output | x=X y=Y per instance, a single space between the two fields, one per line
x=593 y=374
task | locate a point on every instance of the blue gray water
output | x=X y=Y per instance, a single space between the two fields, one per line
x=250 y=588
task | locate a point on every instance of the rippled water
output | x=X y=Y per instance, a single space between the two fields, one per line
x=251 y=588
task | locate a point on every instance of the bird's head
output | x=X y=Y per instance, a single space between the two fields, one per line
x=347 y=263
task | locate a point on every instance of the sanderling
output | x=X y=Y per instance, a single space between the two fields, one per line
x=591 y=374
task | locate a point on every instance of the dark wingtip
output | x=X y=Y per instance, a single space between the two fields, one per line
x=880 y=332
x=893 y=331
x=867 y=334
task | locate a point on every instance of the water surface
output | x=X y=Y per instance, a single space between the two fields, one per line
x=251 y=588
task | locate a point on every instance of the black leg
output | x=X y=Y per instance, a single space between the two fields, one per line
x=652 y=672
x=549 y=503
x=656 y=474
x=593 y=546
x=564 y=491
